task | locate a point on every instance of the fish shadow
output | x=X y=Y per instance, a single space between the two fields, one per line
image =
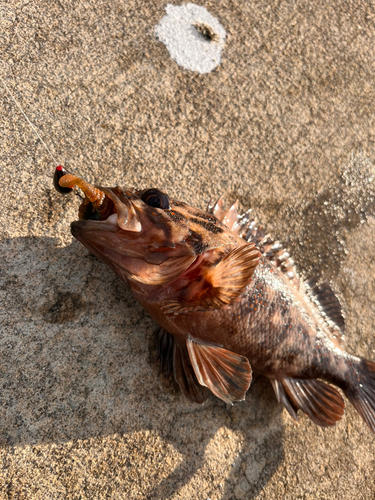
x=77 y=363
x=255 y=430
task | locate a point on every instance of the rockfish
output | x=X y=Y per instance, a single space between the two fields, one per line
x=227 y=299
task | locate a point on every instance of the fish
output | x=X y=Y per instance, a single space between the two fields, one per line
x=228 y=301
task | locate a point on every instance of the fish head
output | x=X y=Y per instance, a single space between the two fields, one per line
x=145 y=235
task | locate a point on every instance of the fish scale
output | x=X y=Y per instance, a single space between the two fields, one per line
x=228 y=301
x=265 y=322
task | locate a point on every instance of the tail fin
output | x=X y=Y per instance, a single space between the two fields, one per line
x=362 y=394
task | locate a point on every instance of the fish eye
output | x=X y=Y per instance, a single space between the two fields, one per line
x=155 y=198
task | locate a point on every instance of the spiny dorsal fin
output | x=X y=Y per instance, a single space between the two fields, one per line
x=231 y=215
x=220 y=284
x=319 y=401
x=217 y=209
x=225 y=373
x=250 y=230
x=276 y=253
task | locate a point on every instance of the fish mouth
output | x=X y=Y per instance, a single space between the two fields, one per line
x=97 y=236
x=102 y=204
x=106 y=237
x=127 y=254
x=127 y=234
x=109 y=227
x=110 y=224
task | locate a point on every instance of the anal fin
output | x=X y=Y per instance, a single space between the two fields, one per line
x=321 y=402
x=361 y=393
x=282 y=397
x=225 y=373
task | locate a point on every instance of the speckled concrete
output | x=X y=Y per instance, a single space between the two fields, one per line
x=286 y=123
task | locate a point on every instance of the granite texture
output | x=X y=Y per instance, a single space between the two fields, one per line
x=286 y=124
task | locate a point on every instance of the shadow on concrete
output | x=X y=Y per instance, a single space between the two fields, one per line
x=77 y=364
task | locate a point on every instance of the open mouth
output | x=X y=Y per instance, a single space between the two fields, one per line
x=100 y=204
x=115 y=226
x=96 y=226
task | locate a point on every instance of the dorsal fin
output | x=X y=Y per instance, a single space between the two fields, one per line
x=279 y=256
x=326 y=298
x=250 y=230
x=321 y=294
x=231 y=216
x=217 y=209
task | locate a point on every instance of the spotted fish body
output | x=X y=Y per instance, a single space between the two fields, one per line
x=228 y=302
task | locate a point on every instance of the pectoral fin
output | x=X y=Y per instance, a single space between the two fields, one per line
x=233 y=273
x=225 y=373
x=218 y=285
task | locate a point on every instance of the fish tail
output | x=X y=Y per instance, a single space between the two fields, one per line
x=360 y=390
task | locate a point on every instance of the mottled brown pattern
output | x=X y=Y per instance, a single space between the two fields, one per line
x=257 y=310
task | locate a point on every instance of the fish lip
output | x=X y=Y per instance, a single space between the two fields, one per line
x=98 y=236
x=80 y=230
x=79 y=227
x=84 y=231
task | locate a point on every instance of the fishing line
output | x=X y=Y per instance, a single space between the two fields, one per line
x=33 y=128
x=29 y=122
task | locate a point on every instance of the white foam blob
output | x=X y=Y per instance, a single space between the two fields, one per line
x=193 y=37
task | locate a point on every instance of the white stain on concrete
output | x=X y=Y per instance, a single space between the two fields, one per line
x=193 y=37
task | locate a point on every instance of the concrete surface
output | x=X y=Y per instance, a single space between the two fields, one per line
x=286 y=124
